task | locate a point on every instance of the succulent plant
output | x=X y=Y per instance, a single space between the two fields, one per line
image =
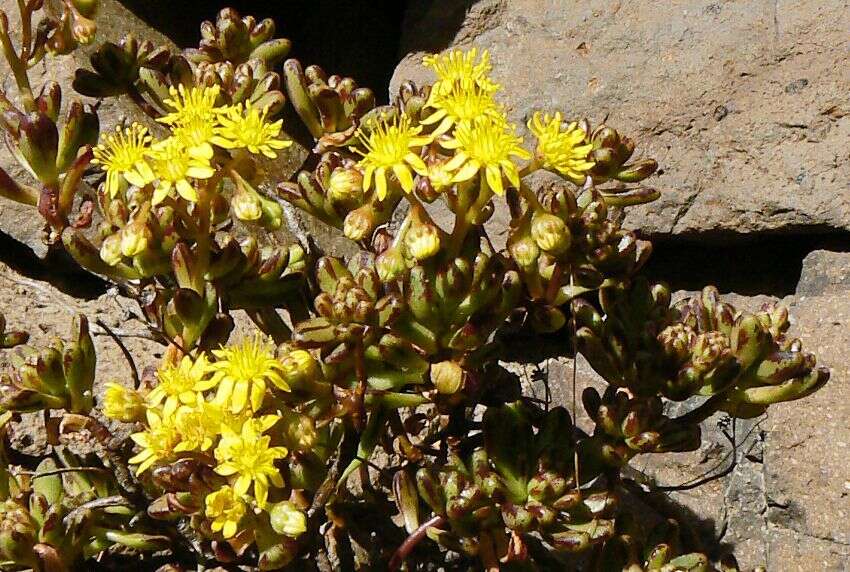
x=367 y=379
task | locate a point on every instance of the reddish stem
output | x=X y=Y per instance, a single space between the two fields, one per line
x=411 y=541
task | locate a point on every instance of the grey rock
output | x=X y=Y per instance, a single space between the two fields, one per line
x=824 y=271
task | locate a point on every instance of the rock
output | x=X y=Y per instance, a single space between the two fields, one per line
x=745 y=111
x=824 y=271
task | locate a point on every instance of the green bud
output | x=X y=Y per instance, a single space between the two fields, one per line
x=422 y=241
x=550 y=233
x=246 y=205
x=135 y=238
x=286 y=519
x=447 y=377
x=390 y=265
x=525 y=252
x=346 y=185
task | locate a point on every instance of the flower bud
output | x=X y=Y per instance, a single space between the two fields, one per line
x=422 y=241
x=135 y=238
x=524 y=251
x=346 y=185
x=123 y=404
x=110 y=249
x=287 y=519
x=390 y=265
x=299 y=432
x=246 y=205
x=550 y=233
x=358 y=223
x=83 y=29
x=447 y=377
x=299 y=368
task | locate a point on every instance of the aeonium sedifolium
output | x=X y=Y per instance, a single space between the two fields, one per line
x=242 y=450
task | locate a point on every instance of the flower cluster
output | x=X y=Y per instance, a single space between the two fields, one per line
x=200 y=130
x=218 y=408
x=464 y=132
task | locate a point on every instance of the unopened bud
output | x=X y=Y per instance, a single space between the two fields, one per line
x=550 y=233
x=346 y=185
x=246 y=205
x=135 y=238
x=17 y=534
x=110 y=249
x=286 y=519
x=422 y=241
x=123 y=404
x=83 y=29
x=524 y=251
x=677 y=341
x=358 y=223
x=390 y=265
x=447 y=377
x=299 y=432
x=299 y=368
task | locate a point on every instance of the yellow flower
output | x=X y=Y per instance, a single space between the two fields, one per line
x=489 y=145
x=465 y=101
x=199 y=426
x=241 y=373
x=180 y=384
x=248 y=456
x=561 y=149
x=391 y=144
x=250 y=131
x=174 y=167
x=122 y=155
x=225 y=508
x=157 y=443
x=191 y=104
x=122 y=403
x=458 y=66
x=194 y=118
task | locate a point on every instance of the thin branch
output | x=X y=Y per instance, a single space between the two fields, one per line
x=60 y=471
x=137 y=382
x=411 y=541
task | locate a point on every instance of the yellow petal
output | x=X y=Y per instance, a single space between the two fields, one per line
x=417 y=163
x=494 y=179
x=186 y=190
x=404 y=177
x=381 y=183
x=467 y=171
x=240 y=396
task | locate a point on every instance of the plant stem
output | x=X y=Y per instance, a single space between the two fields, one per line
x=411 y=541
